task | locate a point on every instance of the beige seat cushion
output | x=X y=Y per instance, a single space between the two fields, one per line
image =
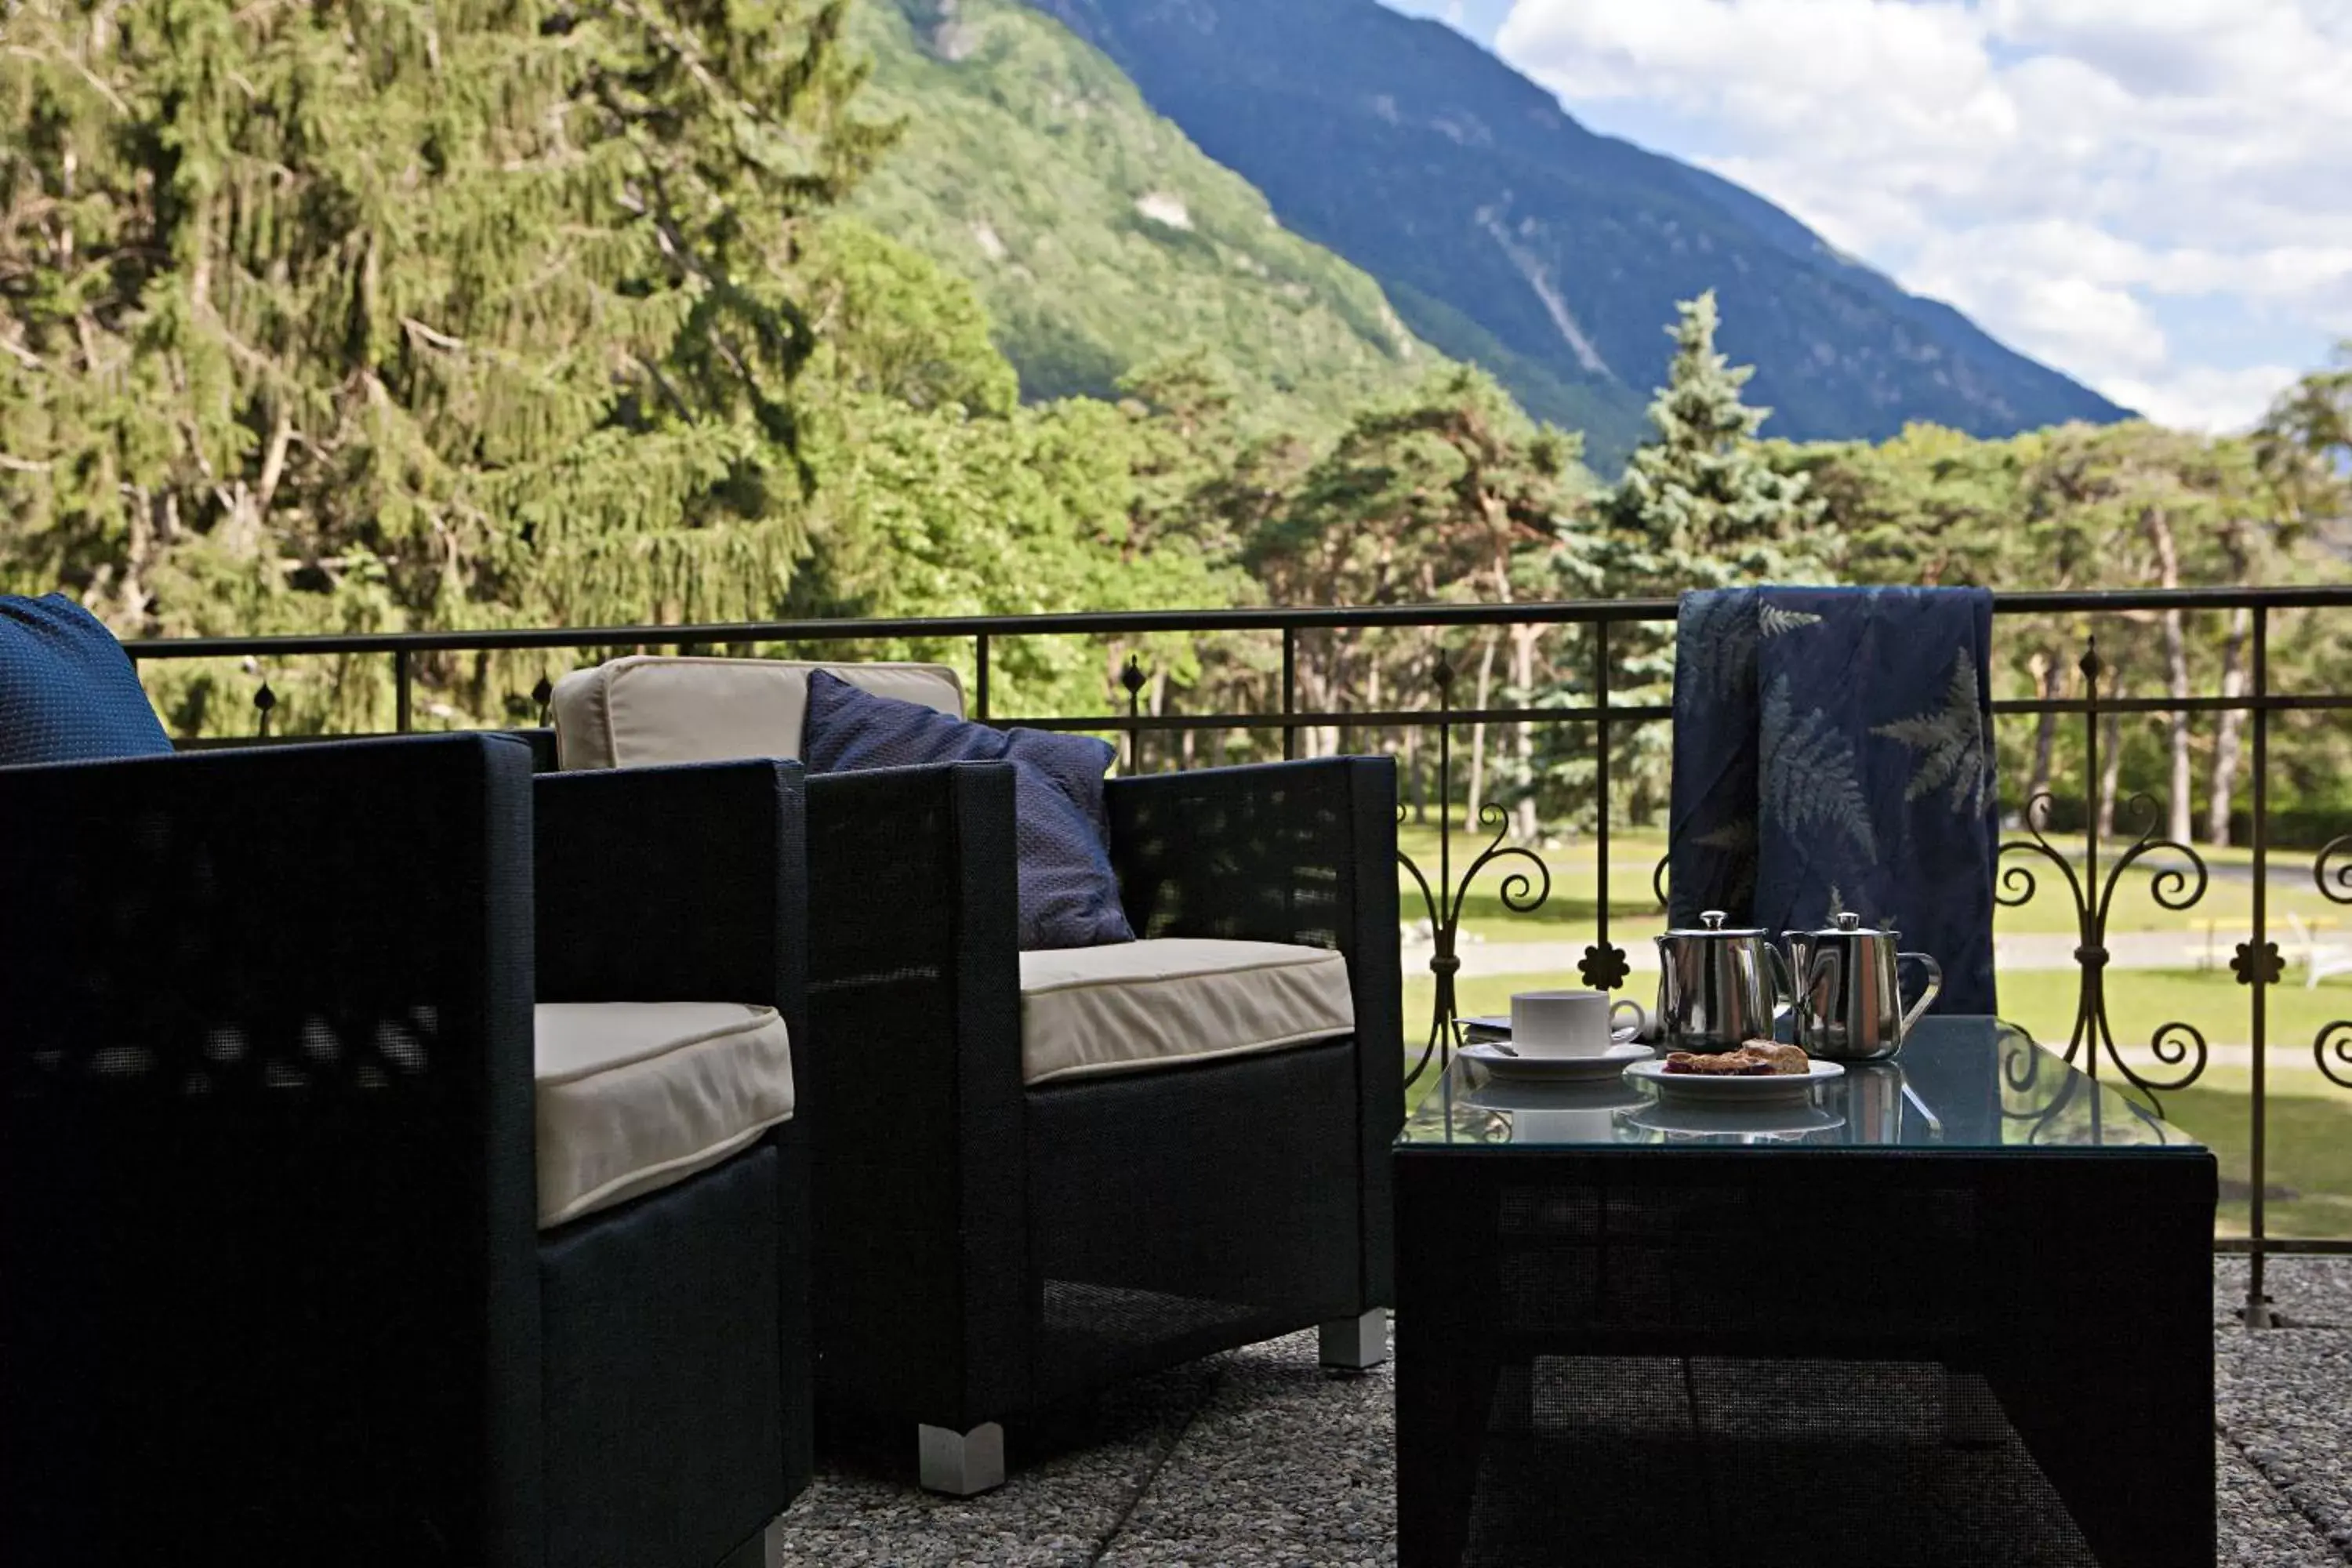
x=643 y=711
x=1135 y=1006
x=634 y=1096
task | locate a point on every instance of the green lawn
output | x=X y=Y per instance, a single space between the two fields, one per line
x=1575 y=887
x=2309 y=1151
x=1633 y=857
x=2043 y=1002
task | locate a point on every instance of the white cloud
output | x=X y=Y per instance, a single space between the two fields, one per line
x=2202 y=397
x=2149 y=194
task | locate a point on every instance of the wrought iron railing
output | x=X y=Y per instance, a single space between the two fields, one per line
x=2178 y=875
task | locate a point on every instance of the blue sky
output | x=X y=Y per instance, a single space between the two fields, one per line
x=2152 y=195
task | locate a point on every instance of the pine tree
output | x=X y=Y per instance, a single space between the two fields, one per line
x=1701 y=505
x=381 y=313
x=1701 y=499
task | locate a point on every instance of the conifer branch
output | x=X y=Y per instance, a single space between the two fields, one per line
x=273 y=461
x=415 y=328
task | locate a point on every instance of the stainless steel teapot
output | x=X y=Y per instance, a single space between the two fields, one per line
x=1848 y=994
x=1718 y=987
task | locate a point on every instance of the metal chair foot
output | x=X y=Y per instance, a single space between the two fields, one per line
x=1973 y=1417
x=960 y=1463
x=1353 y=1344
x=765 y=1550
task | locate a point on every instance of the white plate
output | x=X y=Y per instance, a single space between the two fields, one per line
x=1555 y=1069
x=1725 y=1087
x=1700 y=1118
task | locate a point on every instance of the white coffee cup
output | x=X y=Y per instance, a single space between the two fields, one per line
x=1571 y=1023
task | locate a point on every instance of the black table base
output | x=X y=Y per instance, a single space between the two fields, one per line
x=1661 y=1356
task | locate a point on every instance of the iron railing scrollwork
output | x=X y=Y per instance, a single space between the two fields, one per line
x=2174 y=1044
x=2334 y=1036
x=1521 y=891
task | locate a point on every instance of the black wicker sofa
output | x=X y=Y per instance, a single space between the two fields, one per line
x=991 y=1238
x=280 y=1281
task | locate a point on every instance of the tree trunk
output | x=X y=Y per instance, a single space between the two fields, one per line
x=1341 y=685
x=1523 y=678
x=2180 y=809
x=1336 y=676
x=2049 y=680
x=2228 y=730
x=1471 y=802
x=1416 y=788
x=1314 y=691
x=1157 y=707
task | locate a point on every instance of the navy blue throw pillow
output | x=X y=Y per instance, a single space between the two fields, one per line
x=67 y=692
x=1069 y=894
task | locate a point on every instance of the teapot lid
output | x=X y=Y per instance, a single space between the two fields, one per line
x=1711 y=925
x=1845 y=922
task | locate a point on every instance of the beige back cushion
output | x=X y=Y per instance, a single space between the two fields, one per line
x=644 y=710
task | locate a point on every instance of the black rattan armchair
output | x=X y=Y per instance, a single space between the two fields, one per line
x=274 y=1288
x=986 y=1248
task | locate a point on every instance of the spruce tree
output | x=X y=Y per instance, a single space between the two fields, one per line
x=1701 y=505
x=385 y=313
x=1701 y=499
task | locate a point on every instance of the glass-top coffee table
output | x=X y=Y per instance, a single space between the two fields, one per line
x=1953 y=1309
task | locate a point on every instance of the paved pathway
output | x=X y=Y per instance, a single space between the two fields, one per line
x=1258 y=1458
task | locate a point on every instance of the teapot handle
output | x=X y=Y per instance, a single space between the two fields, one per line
x=1934 y=984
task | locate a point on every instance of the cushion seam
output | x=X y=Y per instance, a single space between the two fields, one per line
x=605 y=711
x=753 y=1025
x=1053 y=988
x=1143 y=1064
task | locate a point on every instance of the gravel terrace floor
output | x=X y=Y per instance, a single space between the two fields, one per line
x=1257 y=1457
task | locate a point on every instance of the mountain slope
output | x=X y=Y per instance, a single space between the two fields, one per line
x=1097 y=236
x=1494 y=220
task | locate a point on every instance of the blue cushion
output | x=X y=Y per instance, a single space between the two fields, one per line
x=67 y=692
x=1069 y=894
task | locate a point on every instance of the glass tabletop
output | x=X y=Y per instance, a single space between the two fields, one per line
x=1971 y=1084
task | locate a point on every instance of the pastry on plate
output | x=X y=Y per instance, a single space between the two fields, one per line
x=1756 y=1058
x=1784 y=1059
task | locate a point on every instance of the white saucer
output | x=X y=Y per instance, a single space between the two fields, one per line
x=1554 y=1069
x=1719 y=1088
x=1691 y=1117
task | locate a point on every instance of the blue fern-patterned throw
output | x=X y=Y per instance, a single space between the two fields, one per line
x=1833 y=752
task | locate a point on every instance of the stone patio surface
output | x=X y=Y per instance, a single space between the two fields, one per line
x=1258 y=1458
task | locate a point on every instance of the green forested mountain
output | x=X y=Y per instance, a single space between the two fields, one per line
x=1098 y=237
x=1505 y=232
x=381 y=314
